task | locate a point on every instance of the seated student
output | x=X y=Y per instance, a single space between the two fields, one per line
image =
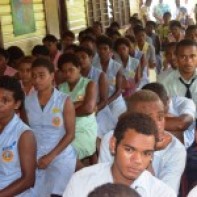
x=182 y=82
x=180 y=114
x=150 y=31
x=97 y=28
x=147 y=49
x=25 y=74
x=170 y=61
x=4 y=68
x=130 y=67
x=40 y=51
x=163 y=29
x=83 y=93
x=104 y=116
x=133 y=145
x=17 y=143
x=170 y=155
x=136 y=53
x=15 y=53
x=51 y=115
x=113 y=71
x=90 y=42
x=68 y=39
x=176 y=32
x=51 y=42
x=191 y=33
x=113 y=190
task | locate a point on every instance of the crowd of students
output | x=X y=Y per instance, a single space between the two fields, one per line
x=69 y=106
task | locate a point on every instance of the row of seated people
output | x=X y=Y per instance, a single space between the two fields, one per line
x=91 y=79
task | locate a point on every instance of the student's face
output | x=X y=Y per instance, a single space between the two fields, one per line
x=132 y=155
x=67 y=41
x=70 y=73
x=149 y=29
x=171 y=57
x=192 y=35
x=123 y=50
x=187 y=59
x=42 y=78
x=7 y=104
x=88 y=44
x=52 y=47
x=97 y=30
x=166 y=19
x=84 y=59
x=175 y=31
x=156 y=111
x=24 y=71
x=141 y=37
x=104 y=51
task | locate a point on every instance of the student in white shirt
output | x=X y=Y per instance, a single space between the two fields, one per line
x=183 y=81
x=170 y=61
x=132 y=145
x=180 y=114
x=169 y=159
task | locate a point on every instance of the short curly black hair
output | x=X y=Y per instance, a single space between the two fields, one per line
x=43 y=62
x=13 y=85
x=104 y=40
x=121 y=41
x=113 y=190
x=68 y=58
x=139 y=122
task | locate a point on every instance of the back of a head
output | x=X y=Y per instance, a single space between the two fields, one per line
x=159 y=89
x=141 y=96
x=113 y=190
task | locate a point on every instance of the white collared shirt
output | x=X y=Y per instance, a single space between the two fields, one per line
x=87 y=179
x=174 y=86
x=181 y=105
x=168 y=164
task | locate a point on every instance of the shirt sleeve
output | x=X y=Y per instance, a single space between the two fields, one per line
x=184 y=106
x=105 y=155
x=173 y=169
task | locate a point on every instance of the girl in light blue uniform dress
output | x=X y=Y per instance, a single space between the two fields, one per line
x=51 y=115
x=17 y=144
x=113 y=71
x=104 y=117
x=130 y=66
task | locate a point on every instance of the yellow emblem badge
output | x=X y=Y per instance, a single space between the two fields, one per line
x=7 y=156
x=56 y=121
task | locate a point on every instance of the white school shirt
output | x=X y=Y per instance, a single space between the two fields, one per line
x=168 y=164
x=181 y=105
x=87 y=179
x=174 y=87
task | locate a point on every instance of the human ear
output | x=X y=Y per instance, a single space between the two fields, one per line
x=112 y=145
x=17 y=105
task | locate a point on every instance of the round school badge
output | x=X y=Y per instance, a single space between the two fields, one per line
x=56 y=121
x=7 y=156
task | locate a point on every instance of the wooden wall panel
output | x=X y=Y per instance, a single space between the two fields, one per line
x=26 y=41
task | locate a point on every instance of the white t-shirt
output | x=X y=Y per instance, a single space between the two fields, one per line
x=87 y=179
